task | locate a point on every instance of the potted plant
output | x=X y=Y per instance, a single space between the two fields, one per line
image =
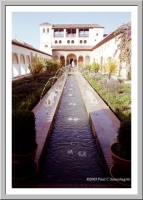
x=24 y=144
x=121 y=151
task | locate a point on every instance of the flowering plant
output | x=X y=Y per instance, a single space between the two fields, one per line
x=123 y=39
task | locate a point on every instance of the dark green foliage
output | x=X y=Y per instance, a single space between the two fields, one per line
x=26 y=93
x=124 y=138
x=23 y=132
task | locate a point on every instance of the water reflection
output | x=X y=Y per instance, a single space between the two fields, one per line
x=71 y=154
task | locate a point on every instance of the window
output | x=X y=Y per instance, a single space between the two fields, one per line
x=43 y=30
x=80 y=41
x=47 y=30
x=72 y=41
x=96 y=34
x=60 y=41
x=56 y=41
x=46 y=45
x=85 y=41
x=68 y=41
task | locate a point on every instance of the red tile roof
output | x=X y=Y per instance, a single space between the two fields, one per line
x=71 y=47
x=73 y=25
x=46 y=23
x=28 y=46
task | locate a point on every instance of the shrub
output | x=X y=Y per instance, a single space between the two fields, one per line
x=124 y=138
x=110 y=67
x=23 y=132
x=87 y=66
x=117 y=96
x=36 y=66
x=51 y=66
x=58 y=64
x=95 y=67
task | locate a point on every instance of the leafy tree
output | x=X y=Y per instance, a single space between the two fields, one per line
x=58 y=63
x=88 y=66
x=95 y=66
x=50 y=66
x=36 y=66
x=110 y=67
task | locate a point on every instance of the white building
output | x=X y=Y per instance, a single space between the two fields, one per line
x=106 y=49
x=81 y=43
x=67 y=42
x=21 y=57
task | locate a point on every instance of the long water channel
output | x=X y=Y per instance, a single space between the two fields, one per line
x=72 y=154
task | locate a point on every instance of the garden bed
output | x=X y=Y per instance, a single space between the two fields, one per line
x=115 y=94
x=26 y=92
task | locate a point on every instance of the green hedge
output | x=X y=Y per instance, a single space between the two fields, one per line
x=23 y=132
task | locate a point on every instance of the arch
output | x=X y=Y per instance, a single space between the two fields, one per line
x=15 y=65
x=22 y=60
x=71 y=57
x=80 y=61
x=87 y=59
x=14 y=58
x=27 y=59
x=55 y=58
x=62 y=59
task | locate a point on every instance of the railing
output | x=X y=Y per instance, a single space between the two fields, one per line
x=58 y=35
x=71 y=35
x=83 y=35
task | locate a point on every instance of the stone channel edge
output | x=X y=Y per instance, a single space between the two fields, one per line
x=103 y=122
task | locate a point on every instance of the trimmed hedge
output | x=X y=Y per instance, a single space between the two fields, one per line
x=124 y=138
x=23 y=132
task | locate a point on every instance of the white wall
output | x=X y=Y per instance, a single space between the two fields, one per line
x=21 y=68
x=93 y=38
x=46 y=38
x=49 y=39
x=107 y=50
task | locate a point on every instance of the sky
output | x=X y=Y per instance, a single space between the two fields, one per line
x=25 y=25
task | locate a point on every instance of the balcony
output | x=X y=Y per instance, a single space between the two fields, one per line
x=58 y=35
x=83 y=35
x=71 y=35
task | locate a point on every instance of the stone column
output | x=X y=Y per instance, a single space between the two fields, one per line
x=19 y=64
x=25 y=63
x=65 y=36
x=65 y=59
x=77 y=30
x=77 y=59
